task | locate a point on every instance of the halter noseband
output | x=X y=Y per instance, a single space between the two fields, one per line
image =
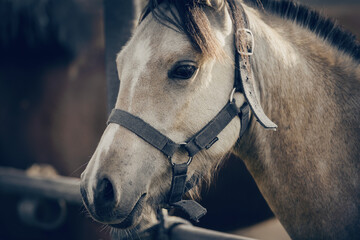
x=207 y=136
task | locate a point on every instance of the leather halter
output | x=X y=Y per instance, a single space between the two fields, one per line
x=207 y=136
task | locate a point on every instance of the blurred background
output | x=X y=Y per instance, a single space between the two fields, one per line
x=53 y=108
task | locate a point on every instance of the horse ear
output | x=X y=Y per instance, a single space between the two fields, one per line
x=215 y=4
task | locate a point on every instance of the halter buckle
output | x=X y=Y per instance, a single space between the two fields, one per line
x=249 y=48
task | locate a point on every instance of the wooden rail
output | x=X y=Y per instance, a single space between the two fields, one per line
x=68 y=189
x=18 y=182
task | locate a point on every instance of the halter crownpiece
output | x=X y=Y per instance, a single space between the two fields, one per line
x=207 y=136
x=244 y=76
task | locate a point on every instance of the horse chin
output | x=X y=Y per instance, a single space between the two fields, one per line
x=131 y=220
x=134 y=217
x=134 y=224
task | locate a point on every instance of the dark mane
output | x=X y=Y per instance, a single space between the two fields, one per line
x=312 y=20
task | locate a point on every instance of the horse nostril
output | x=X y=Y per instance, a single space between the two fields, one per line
x=105 y=192
x=108 y=190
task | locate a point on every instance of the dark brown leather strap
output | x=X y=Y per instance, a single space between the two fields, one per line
x=244 y=76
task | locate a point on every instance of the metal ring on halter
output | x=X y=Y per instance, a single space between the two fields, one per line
x=190 y=158
x=187 y=163
x=232 y=94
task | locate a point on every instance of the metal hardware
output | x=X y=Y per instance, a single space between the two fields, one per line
x=249 y=32
x=212 y=143
x=187 y=163
x=232 y=94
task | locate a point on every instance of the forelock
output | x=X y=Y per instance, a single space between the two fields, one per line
x=189 y=17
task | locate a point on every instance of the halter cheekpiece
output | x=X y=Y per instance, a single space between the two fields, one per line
x=207 y=136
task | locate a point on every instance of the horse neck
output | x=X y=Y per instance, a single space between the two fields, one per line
x=311 y=91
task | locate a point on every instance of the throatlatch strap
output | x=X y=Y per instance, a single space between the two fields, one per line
x=244 y=116
x=144 y=130
x=244 y=73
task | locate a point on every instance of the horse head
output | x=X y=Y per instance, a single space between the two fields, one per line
x=176 y=81
x=179 y=70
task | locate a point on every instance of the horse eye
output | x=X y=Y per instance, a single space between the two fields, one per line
x=184 y=71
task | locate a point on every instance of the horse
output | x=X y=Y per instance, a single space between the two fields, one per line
x=177 y=72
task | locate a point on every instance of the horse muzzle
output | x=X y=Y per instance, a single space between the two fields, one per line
x=106 y=205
